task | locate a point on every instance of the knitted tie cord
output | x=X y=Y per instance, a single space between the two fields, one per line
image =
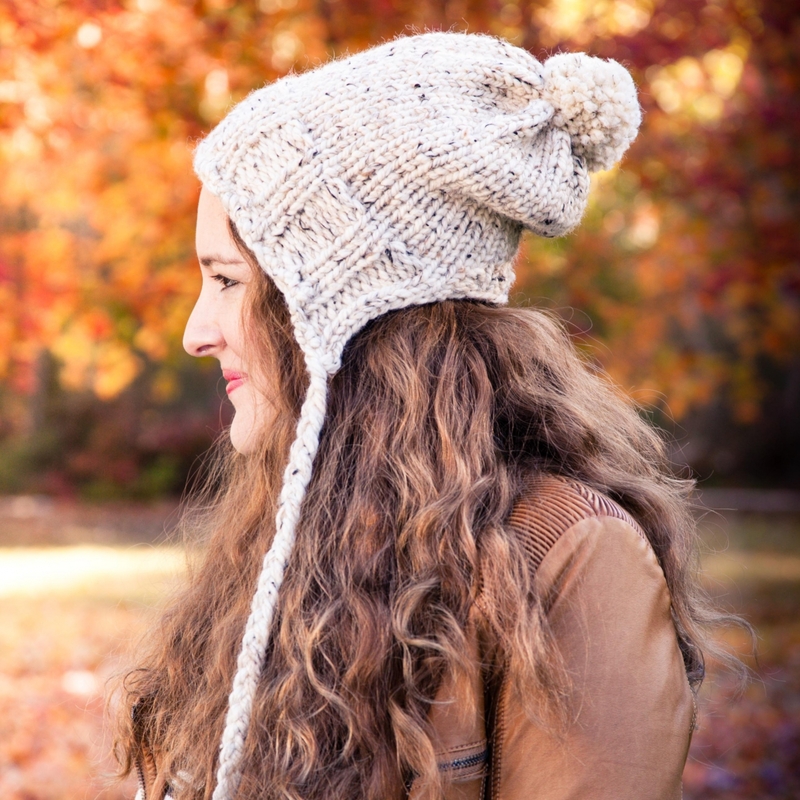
x=400 y=176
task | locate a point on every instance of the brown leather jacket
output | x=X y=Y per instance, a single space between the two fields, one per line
x=609 y=610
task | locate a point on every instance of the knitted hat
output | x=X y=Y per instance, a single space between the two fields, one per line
x=399 y=176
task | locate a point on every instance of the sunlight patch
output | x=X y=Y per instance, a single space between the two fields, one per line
x=55 y=570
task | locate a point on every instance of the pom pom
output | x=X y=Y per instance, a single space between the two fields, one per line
x=595 y=102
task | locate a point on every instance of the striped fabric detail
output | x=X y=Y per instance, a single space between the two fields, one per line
x=466 y=762
x=549 y=505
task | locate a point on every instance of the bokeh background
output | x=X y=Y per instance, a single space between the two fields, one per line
x=683 y=282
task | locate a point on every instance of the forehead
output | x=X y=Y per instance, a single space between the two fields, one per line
x=212 y=235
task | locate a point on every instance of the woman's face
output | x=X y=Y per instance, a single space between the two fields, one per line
x=215 y=324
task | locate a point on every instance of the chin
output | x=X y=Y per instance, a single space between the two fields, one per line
x=253 y=417
x=242 y=437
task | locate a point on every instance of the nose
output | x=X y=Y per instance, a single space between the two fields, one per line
x=202 y=336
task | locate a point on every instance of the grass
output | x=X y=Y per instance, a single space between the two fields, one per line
x=748 y=744
x=72 y=605
x=69 y=615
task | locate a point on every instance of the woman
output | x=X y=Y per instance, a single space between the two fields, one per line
x=477 y=571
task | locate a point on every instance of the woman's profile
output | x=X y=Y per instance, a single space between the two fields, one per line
x=443 y=556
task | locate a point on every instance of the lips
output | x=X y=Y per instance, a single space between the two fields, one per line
x=234 y=379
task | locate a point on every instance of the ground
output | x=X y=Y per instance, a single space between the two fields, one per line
x=78 y=584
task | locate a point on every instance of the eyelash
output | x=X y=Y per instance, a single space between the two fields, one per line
x=227 y=283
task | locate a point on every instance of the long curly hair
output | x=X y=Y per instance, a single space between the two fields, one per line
x=435 y=417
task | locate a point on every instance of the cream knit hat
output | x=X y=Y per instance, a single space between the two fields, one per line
x=400 y=176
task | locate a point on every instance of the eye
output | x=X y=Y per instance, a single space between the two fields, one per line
x=226 y=282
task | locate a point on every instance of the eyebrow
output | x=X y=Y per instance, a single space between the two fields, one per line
x=210 y=261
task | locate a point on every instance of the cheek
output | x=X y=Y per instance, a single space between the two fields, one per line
x=231 y=324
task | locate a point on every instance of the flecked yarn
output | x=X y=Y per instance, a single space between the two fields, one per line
x=399 y=176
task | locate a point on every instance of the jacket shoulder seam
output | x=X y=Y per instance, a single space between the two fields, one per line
x=549 y=505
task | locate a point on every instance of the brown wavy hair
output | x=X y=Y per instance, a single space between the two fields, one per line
x=435 y=417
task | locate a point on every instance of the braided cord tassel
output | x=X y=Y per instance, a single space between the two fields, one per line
x=257 y=631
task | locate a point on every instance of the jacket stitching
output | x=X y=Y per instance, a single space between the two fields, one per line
x=458 y=748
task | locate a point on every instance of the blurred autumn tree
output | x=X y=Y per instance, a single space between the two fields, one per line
x=686 y=270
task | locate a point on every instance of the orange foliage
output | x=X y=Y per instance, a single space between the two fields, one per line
x=686 y=268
